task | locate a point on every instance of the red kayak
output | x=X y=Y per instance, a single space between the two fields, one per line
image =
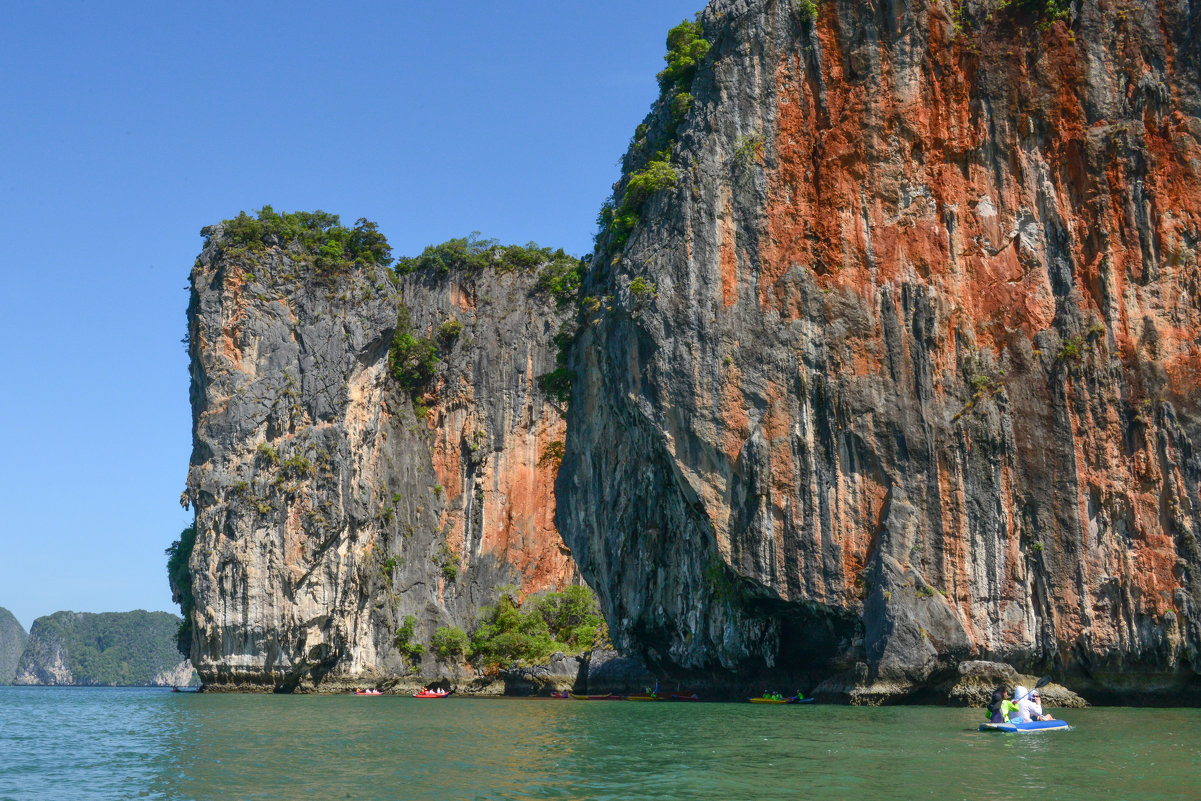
x=430 y=694
x=610 y=697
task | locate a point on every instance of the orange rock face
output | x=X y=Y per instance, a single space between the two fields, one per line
x=497 y=466
x=327 y=512
x=962 y=417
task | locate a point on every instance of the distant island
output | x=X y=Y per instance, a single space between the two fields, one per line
x=109 y=649
x=12 y=645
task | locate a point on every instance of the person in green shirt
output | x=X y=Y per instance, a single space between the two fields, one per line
x=1001 y=708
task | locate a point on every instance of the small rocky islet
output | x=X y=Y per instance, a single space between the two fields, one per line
x=883 y=377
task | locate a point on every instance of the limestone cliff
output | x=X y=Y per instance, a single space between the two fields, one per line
x=12 y=644
x=331 y=503
x=109 y=649
x=902 y=368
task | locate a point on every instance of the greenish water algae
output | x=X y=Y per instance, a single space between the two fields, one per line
x=80 y=743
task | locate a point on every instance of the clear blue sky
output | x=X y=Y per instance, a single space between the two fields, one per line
x=126 y=127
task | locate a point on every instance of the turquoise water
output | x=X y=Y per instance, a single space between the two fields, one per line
x=81 y=743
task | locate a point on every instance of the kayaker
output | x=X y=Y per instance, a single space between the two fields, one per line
x=1031 y=707
x=1017 y=716
x=1028 y=708
x=1001 y=708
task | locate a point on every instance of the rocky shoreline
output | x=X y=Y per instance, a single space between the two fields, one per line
x=605 y=672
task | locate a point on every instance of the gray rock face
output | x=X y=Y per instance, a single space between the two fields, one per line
x=560 y=673
x=977 y=679
x=918 y=380
x=607 y=671
x=327 y=511
x=12 y=645
x=44 y=664
x=180 y=675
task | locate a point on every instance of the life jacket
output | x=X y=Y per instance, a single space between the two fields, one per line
x=1000 y=713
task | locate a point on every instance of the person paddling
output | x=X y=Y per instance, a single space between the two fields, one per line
x=1030 y=707
x=1001 y=707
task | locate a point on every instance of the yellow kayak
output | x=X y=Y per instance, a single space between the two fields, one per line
x=793 y=700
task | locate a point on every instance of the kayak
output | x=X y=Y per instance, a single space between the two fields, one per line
x=428 y=694
x=598 y=697
x=792 y=700
x=1034 y=725
x=679 y=697
x=368 y=692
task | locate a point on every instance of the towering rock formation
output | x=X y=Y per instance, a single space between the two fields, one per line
x=12 y=645
x=330 y=504
x=905 y=367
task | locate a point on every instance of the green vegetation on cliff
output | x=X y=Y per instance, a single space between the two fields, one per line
x=686 y=47
x=180 y=579
x=108 y=649
x=473 y=253
x=1045 y=12
x=405 y=643
x=569 y=621
x=413 y=359
x=450 y=644
x=559 y=273
x=12 y=644
x=647 y=165
x=647 y=169
x=1042 y=13
x=521 y=632
x=334 y=247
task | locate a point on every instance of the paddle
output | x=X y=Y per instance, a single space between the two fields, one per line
x=1043 y=682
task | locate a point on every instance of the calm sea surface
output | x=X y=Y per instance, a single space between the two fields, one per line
x=80 y=743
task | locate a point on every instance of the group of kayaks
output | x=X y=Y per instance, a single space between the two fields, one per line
x=424 y=692
x=1011 y=727
x=767 y=698
x=652 y=696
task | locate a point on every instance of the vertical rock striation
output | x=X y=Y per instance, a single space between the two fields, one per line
x=918 y=378
x=330 y=505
